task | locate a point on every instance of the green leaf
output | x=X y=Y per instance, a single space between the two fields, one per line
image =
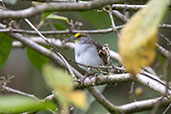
x=5 y=47
x=12 y=2
x=53 y=16
x=59 y=26
x=37 y=59
x=57 y=79
x=18 y=104
x=44 y=15
x=60 y=82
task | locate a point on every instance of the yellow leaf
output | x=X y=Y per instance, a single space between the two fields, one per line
x=57 y=79
x=60 y=82
x=78 y=98
x=138 y=37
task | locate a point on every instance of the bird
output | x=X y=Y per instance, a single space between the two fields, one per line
x=88 y=52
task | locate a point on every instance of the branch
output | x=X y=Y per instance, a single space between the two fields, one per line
x=98 y=31
x=52 y=46
x=60 y=43
x=95 y=4
x=101 y=79
x=163 y=51
x=142 y=105
x=99 y=97
x=119 y=15
x=127 y=7
x=58 y=60
x=113 y=24
x=143 y=79
x=19 y=92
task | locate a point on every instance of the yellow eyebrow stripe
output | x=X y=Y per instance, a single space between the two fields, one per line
x=77 y=35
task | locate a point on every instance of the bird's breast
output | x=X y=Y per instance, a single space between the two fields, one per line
x=87 y=54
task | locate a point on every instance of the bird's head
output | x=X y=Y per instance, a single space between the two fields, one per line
x=78 y=36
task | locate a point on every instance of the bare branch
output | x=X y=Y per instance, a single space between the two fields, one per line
x=113 y=23
x=142 y=105
x=143 y=79
x=56 y=59
x=121 y=77
x=119 y=15
x=55 y=49
x=127 y=7
x=60 y=43
x=165 y=26
x=167 y=109
x=98 y=31
x=19 y=92
x=95 y=4
x=163 y=51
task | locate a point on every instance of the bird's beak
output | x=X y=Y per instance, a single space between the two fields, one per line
x=72 y=38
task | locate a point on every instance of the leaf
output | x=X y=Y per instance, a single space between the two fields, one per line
x=53 y=16
x=18 y=104
x=12 y=2
x=78 y=98
x=44 y=15
x=61 y=83
x=59 y=26
x=5 y=48
x=138 y=37
x=37 y=59
x=58 y=80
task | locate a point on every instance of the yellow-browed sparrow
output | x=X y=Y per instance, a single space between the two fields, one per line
x=88 y=52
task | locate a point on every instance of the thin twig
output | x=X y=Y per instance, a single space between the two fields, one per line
x=81 y=6
x=157 y=105
x=53 y=57
x=113 y=24
x=167 y=26
x=119 y=15
x=19 y=92
x=127 y=7
x=167 y=39
x=168 y=74
x=131 y=92
x=142 y=105
x=167 y=109
x=98 y=31
x=163 y=51
x=132 y=107
x=55 y=49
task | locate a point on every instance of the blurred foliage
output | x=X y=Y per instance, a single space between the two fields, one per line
x=99 y=20
x=12 y=2
x=5 y=48
x=139 y=36
x=18 y=104
x=37 y=59
x=62 y=84
x=116 y=93
x=57 y=17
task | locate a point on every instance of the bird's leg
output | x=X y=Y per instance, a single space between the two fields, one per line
x=95 y=75
x=83 y=78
